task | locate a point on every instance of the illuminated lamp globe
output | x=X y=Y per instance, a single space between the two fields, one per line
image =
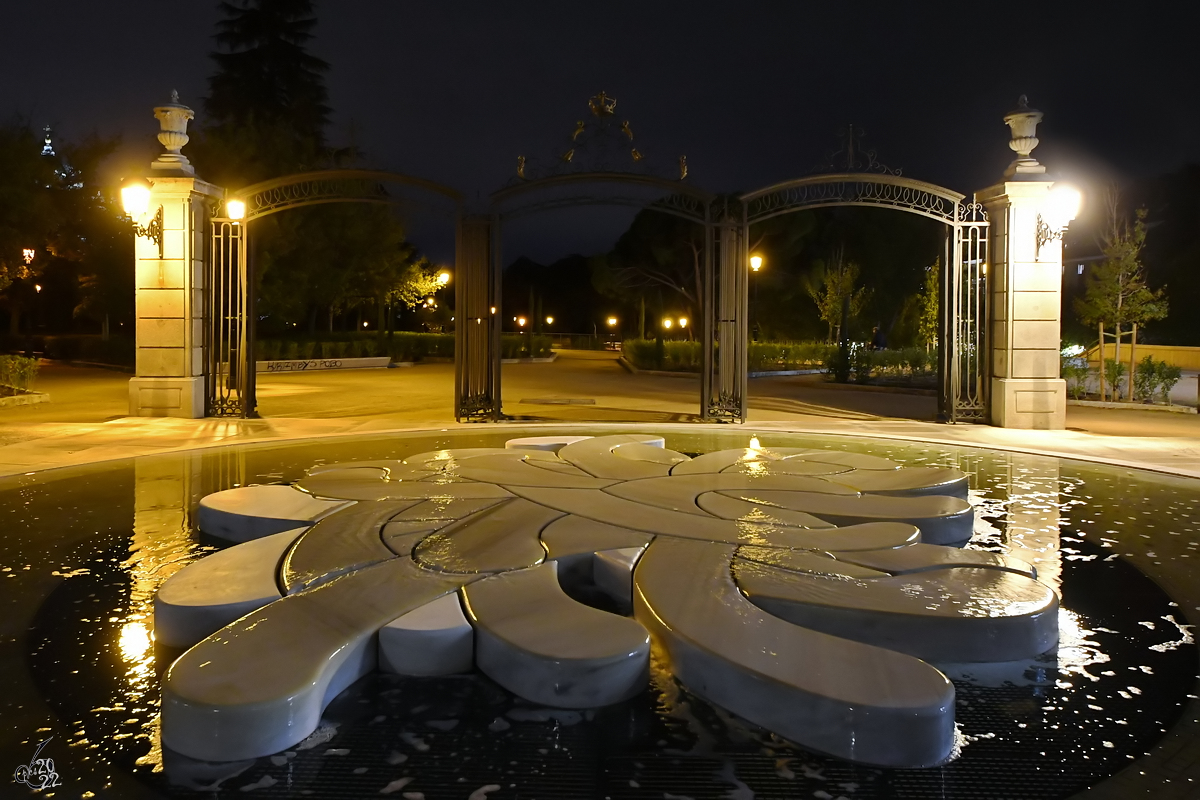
x=135 y=198
x=235 y=209
x=443 y=278
x=756 y=263
x=683 y=322
x=612 y=321
x=1062 y=206
x=667 y=323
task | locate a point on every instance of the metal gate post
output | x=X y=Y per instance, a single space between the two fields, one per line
x=477 y=322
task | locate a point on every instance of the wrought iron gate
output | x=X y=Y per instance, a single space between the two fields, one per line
x=228 y=323
x=724 y=332
x=964 y=369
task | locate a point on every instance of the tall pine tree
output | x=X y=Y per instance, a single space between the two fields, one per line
x=267 y=107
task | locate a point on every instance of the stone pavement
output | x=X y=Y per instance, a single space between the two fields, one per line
x=85 y=422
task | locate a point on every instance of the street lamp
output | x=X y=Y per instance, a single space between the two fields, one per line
x=667 y=322
x=135 y=200
x=612 y=322
x=1061 y=206
x=443 y=278
x=235 y=210
x=549 y=320
x=756 y=262
x=683 y=322
x=521 y=322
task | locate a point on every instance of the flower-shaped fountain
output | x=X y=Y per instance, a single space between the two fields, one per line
x=808 y=591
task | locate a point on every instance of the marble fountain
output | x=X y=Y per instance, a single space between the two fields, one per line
x=807 y=591
x=641 y=611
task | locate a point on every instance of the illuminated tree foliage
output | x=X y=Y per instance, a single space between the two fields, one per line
x=833 y=284
x=929 y=306
x=1117 y=294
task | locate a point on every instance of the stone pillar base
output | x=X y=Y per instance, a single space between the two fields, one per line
x=166 y=397
x=1030 y=403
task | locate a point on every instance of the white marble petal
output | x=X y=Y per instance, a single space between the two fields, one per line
x=514 y=469
x=208 y=594
x=654 y=453
x=921 y=557
x=907 y=481
x=679 y=492
x=841 y=458
x=949 y=615
x=574 y=535
x=595 y=456
x=715 y=461
x=341 y=543
x=435 y=639
x=543 y=646
x=251 y=512
x=790 y=466
x=726 y=507
x=447 y=508
x=833 y=695
x=812 y=561
x=259 y=685
x=941 y=519
x=612 y=572
x=551 y=444
x=502 y=537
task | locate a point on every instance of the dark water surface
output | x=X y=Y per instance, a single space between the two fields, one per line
x=83 y=551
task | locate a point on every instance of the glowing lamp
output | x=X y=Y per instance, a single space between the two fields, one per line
x=235 y=209
x=521 y=321
x=667 y=323
x=135 y=198
x=1062 y=206
x=683 y=322
x=443 y=278
x=612 y=321
x=549 y=320
x=756 y=263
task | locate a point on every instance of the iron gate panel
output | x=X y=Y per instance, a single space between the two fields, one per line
x=725 y=331
x=965 y=384
x=228 y=337
x=477 y=323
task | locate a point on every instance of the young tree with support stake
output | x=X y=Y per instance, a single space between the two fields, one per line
x=1117 y=294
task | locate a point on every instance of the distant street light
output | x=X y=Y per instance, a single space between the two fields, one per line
x=28 y=253
x=756 y=262
x=521 y=321
x=443 y=278
x=683 y=322
x=37 y=287
x=612 y=321
x=549 y=320
x=667 y=323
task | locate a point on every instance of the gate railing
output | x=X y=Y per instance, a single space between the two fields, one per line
x=965 y=352
x=228 y=323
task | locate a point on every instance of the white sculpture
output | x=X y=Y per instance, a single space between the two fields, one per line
x=797 y=588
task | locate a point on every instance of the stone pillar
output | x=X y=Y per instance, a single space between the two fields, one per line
x=1025 y=283
x=169 y=281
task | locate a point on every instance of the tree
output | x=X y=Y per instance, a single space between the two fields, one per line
x=267 y=110
x=832 y=285
x=929 y=306
x=1116 y=292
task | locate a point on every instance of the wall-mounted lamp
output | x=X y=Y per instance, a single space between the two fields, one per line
x=756 y=263
x=1062 y=206
x=135 y=200
x=235 y=210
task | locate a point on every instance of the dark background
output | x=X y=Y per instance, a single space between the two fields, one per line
x=751 y=92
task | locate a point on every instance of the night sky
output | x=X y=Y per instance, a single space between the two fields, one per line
x=752 y=92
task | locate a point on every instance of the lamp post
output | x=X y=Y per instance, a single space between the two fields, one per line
x=756 y=262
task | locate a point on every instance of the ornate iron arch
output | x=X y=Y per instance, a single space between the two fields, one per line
x=331 y=186
x=853 y=189
x=679 y=199
x=963 y=366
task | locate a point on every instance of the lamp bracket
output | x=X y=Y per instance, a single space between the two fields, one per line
x=1045 y=235
x=153 y=230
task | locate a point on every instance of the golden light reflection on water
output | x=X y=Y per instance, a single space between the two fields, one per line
x=135 y=642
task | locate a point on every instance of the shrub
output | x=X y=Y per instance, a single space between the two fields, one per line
x=18 y=372
x=1075 y=372
x=1168 y=375
x=1114 y=375
x=1145 y=379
